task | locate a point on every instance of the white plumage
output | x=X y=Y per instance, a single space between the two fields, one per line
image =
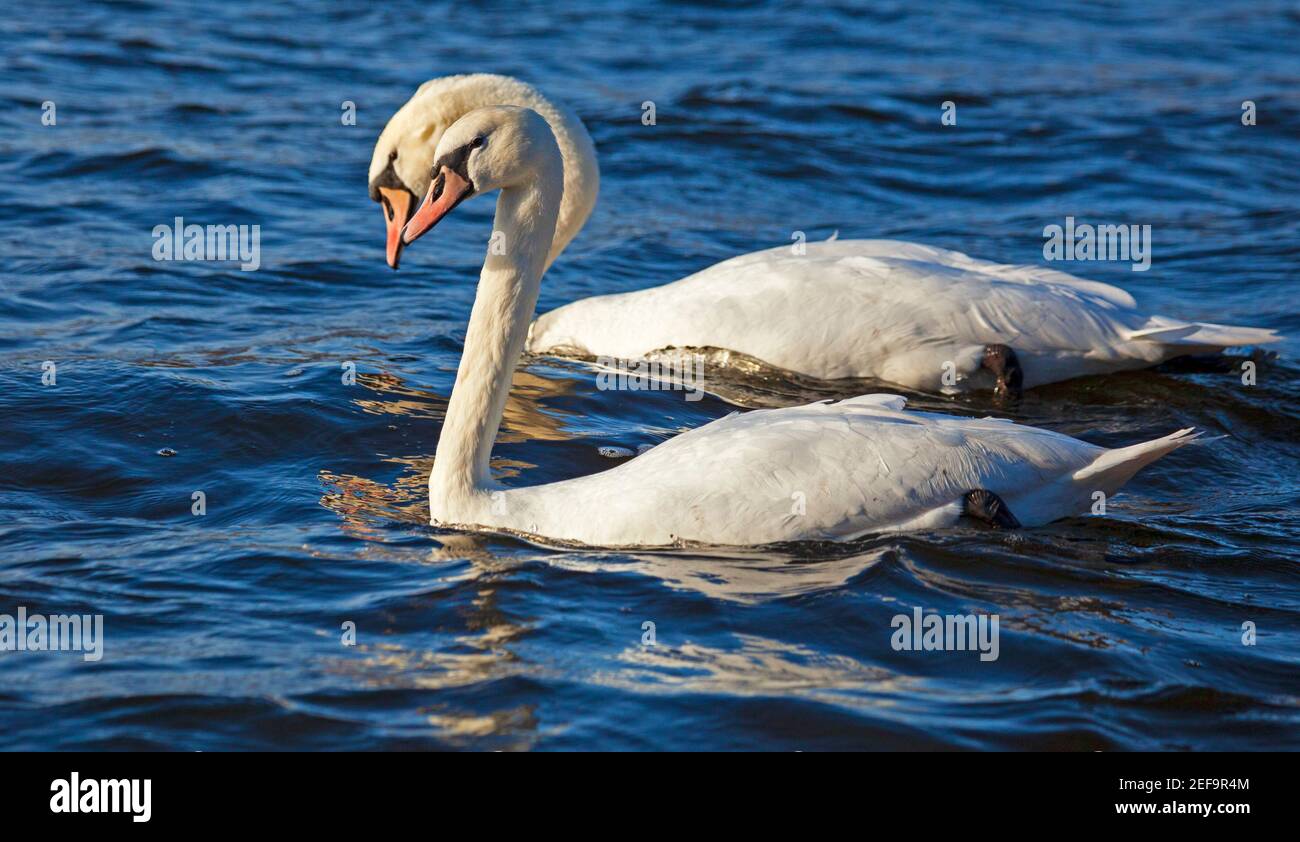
x=893 y=311
x=825 y=471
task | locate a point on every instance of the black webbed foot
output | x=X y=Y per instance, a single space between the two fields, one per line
x=983 y=505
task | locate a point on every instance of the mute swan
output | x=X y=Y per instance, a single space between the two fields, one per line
x=924 y=318
x=830 y=471
x=399 y=167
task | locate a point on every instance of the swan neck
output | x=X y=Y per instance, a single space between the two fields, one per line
x=498 y=327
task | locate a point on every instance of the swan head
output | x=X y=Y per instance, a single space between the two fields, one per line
x=488 y=149
x=399 y=174
x=403 y=154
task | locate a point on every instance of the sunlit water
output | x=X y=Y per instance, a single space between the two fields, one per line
x=223 y=631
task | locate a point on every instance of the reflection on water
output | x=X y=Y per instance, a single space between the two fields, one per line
x=737 y=576
x=755 y=666
x=524 y=419
x=358 y=499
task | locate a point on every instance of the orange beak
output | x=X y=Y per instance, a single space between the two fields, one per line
x=397 y=208
x=446 y=192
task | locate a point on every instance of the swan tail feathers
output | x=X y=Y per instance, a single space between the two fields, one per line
x=1115 y=467
x=1202 y=334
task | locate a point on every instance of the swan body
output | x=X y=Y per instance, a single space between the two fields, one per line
x=902 y=313
x=898 y=312
x=825 y=471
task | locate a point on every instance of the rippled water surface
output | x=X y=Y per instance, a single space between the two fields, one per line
x=224 y=631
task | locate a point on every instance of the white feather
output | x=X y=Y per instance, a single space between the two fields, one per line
x=825 y=471
x=893 y=311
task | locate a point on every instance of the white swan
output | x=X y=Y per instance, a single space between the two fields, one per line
x=830 y=471
x=400 y=164
x=921 y=317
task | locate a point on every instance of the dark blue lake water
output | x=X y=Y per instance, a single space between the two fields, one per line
x=224 y=631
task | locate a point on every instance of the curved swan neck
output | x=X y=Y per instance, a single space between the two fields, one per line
x=498 y=325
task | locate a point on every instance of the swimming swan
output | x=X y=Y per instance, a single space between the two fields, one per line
x=403 y=155
x=825 y=471
x=921 y=317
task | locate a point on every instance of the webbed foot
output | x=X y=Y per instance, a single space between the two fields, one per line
x=983 y=505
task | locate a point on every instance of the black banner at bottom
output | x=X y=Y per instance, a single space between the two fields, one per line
x=211 y=791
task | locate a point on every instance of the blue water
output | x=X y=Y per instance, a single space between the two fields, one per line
x=223 y=631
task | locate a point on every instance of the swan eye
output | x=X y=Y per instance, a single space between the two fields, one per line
x=392 y=156
x=476 y=142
